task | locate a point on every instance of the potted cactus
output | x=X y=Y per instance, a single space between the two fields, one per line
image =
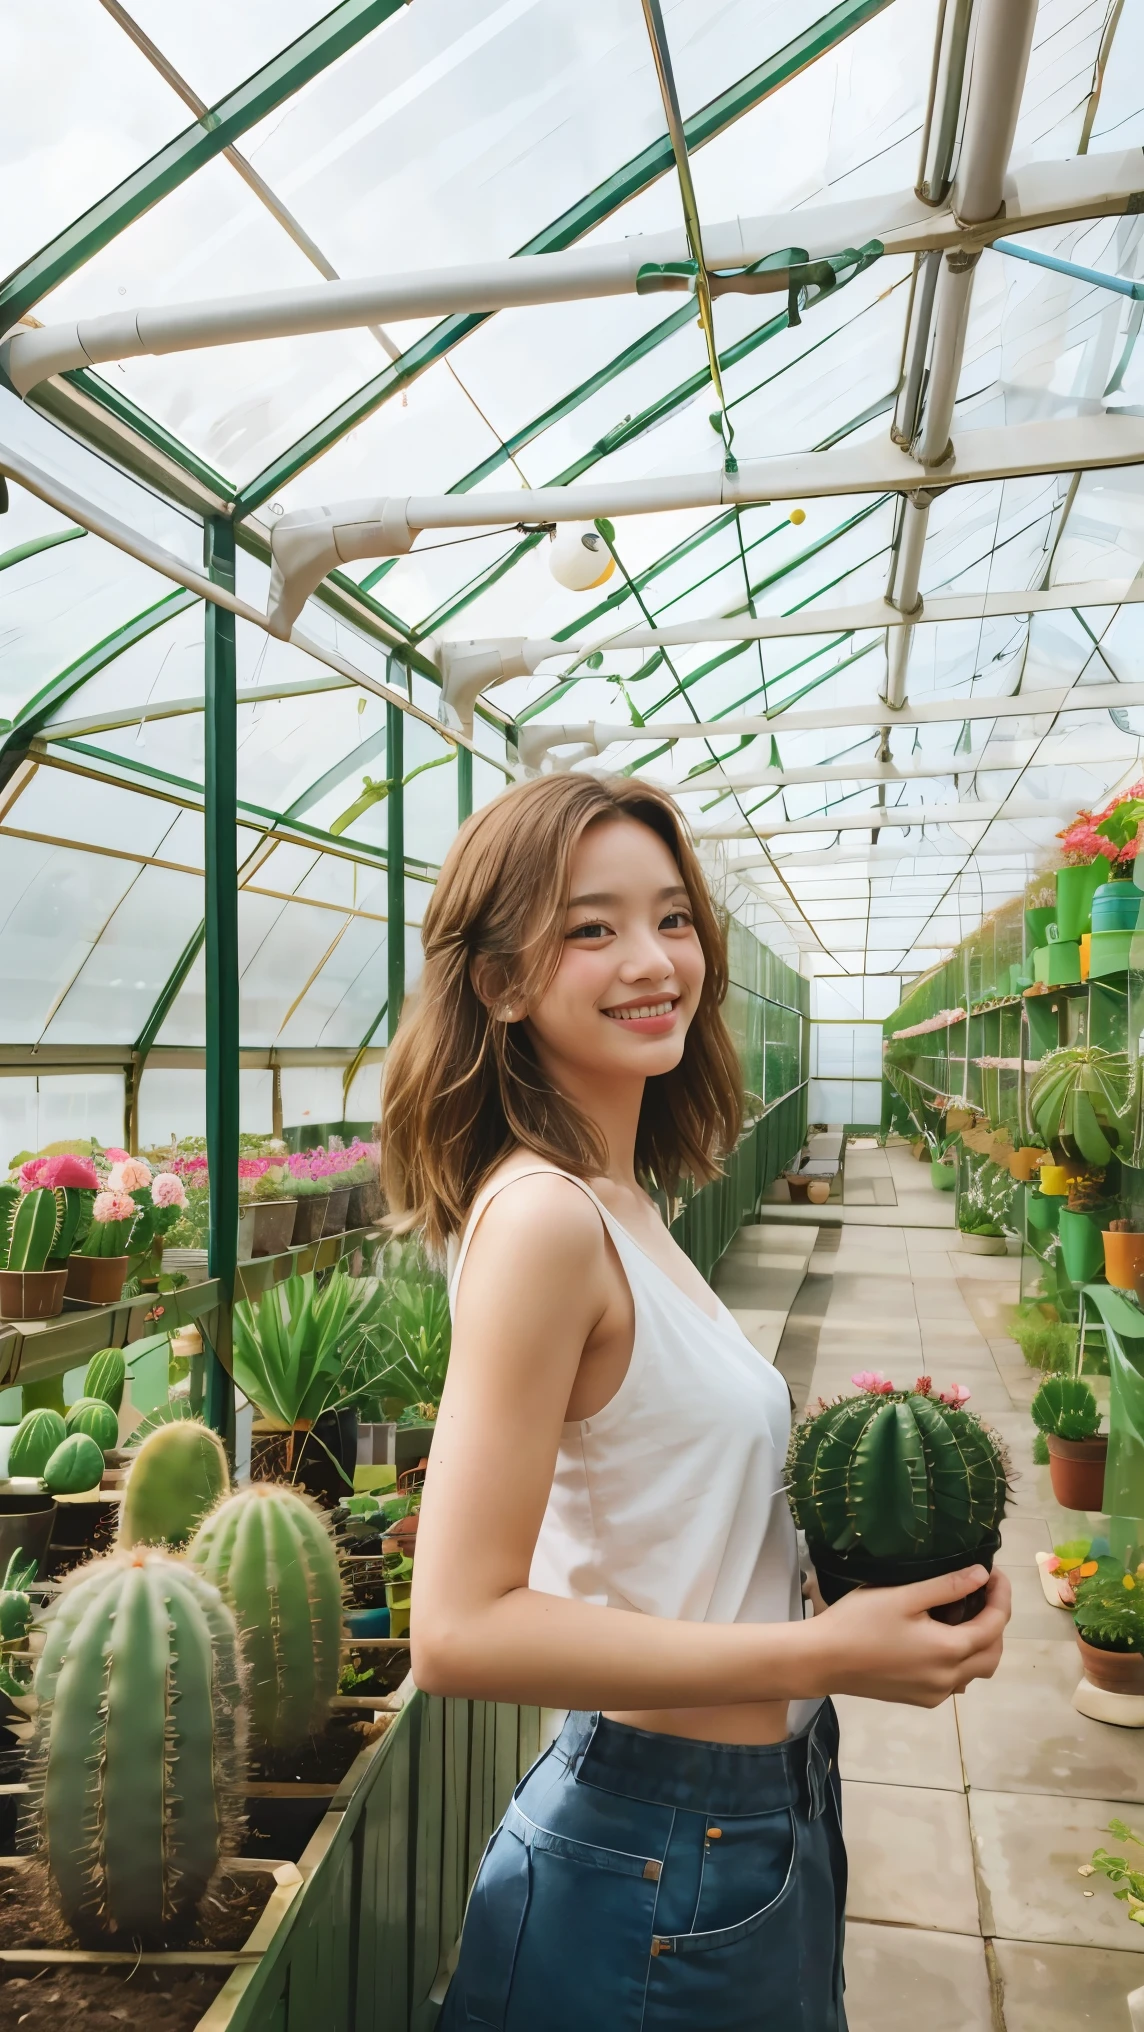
x=1066 y=1413
x=1109 y=1618
x=1082 y=1099
x=28 y=1289
x=138 y=1682
x=893 y=1486
x=177 y=1475
x=97 y=1273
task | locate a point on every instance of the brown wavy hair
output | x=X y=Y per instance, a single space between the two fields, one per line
x=462 y=1088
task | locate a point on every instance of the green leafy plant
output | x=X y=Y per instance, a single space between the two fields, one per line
x=1065 y=1406
x=1119 y=1870
x=1083 y=1100
x=269 y=1552
x=985 y=1207
x=179 y=1473
x=1046 y=1342
x=33 y=1227
x=898 y=1474
x=1109 y=1611
x=399 y=1355
x=286 y=1348
x=139 y=1740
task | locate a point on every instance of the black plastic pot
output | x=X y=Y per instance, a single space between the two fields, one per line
x=335 y=1432
x=839 y=1573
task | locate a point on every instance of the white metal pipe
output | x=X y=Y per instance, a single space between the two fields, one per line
x=313 y=541
x=176 y=708
x=536 y=737
x=1003 y=38
x=951 y=316
x=876 y=817
x=1041 y=194
x=1052 y=753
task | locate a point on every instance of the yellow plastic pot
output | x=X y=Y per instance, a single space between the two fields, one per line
x=1055 y=1181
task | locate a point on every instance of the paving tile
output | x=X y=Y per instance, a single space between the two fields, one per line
x=890 y=1744
x=1029 y=1849
x=1032 y=1617
x=1063 y=1989
x=1020 y=1732
x=911 y=1861
x=899 y=1979
x=1022 y=1537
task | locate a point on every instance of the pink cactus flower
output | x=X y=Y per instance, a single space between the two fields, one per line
x=873 y=1381
x=116 y=1156
x=77 y=1172
x=130 y=1174
x=113 y=1206
x=955 y=1396
x=923 y=1386
x=30 y=1173
x=168 y=1190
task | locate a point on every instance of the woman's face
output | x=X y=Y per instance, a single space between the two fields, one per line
x=631 y=966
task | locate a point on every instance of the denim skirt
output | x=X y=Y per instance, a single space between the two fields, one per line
x=647 y=1883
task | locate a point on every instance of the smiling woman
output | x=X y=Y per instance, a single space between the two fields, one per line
x=623 y=1445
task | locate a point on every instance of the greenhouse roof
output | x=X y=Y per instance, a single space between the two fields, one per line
x=826 y=320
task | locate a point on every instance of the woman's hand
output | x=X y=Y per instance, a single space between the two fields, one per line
x=883 y=1643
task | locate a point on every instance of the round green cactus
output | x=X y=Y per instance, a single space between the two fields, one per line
x=1066 y=1407
x=897 y=1475
x=74 y=1467
x=97 y=1419
x=179 y=1473
x=105 y=1376
x=140 y=1743
x=270 y=1553
x=35 y=1441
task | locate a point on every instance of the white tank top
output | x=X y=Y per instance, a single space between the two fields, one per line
x=671 y=1499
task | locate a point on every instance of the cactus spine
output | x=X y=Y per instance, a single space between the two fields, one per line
x=105 y=1376
x=270 y=1553
x=180 y=1472
x=35 y=1225
x=140 y=1733
x=896 y=1475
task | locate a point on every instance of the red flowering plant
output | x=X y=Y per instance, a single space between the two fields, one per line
x=1113 y=832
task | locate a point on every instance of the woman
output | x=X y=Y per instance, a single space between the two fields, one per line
x=604 y=1527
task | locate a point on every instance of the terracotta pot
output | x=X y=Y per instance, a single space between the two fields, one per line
x=310 y=1218
x=1112 y=1671
x=1076 y=1467
x=337 y=1207
x=1124 y=1261
x=402 y=1536
x=32 y=1294
x=797 y=1188
x=1023 y=1163
x=97 y=1279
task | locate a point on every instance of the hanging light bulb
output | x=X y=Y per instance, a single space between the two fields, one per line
x=579 y=558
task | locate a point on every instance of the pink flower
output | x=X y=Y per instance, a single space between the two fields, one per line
x=168 y=1190
x=873 y=1381
x=69 y=1171
x=129 y=1174
x=113 y=1206
x=30 y=1172
x=923 y=1386
x=955 y=1396
x=116 y=1156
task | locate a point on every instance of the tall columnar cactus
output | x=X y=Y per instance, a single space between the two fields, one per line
x=105 y=1376
x=270 y=1553
x=35 y=1225
x=1066 y=1407
x=898 y=1475
x=140 y=1736
x=179 y=1473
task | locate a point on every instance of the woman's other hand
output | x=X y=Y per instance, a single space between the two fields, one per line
x=883 y=1642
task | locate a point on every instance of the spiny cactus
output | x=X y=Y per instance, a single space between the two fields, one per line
x=35 y=1441
x=896 y=1474
x=140 y=1738
x=1066 y=1407
x=35 y=1225
x=105 y=1376
x=179 y=1473
x=270 y=1553
x=97 y=1419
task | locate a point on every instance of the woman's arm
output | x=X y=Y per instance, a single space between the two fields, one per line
x=534 y=1290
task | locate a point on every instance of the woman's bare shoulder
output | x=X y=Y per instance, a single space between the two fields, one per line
x=538 y=1213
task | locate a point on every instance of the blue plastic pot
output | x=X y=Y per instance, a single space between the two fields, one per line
x=1116 y=907
x=368 y=1622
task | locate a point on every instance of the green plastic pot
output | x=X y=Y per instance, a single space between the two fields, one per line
x=1042 y=1213
x=943 y=1177
x=1037 y=923
x=1076 y=888
x=1082 y=1246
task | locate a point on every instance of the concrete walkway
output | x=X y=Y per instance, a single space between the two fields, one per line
x=966 y=1826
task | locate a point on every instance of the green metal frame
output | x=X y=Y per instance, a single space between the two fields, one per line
x=395 y=865
x=241 y=109
x=220 y=911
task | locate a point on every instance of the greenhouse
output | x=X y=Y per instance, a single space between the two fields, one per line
x=292 y=303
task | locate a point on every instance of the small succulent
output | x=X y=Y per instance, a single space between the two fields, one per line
x=1065 y=1406
x=1110 y=1611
